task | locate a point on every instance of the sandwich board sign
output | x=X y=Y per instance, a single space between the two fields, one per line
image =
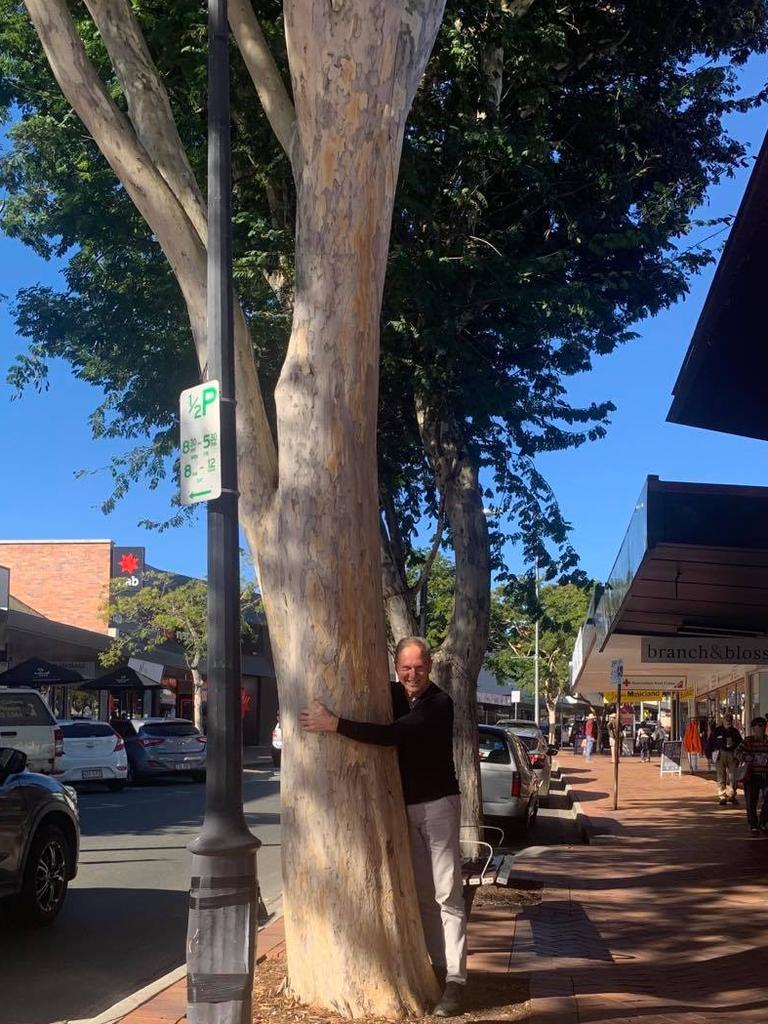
x=671 y=757
x=200 y=462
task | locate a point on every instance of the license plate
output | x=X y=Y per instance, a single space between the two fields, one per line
x=181 y=767
x=92 y=773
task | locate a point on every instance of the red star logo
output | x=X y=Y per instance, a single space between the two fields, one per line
x=128 y=563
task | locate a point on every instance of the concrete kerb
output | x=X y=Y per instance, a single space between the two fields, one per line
x=132 y=1002
x=583 y=821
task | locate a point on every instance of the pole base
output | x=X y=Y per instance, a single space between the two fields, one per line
x=221 y=938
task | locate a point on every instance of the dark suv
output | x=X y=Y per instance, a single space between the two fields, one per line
x=39 y=840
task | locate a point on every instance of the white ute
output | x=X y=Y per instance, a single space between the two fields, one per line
x=26 y=723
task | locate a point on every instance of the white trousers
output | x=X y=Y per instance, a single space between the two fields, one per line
x=434 y=829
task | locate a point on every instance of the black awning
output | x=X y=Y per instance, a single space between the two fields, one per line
x=36 y=672
x=119 y=680
x=694 y=561
x=721 y=383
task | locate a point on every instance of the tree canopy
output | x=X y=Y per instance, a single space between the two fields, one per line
x=554 y=157
x=560 y=610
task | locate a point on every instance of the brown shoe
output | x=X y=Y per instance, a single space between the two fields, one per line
x=452 y=1001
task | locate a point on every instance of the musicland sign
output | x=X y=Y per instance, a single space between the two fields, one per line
x=703 y=650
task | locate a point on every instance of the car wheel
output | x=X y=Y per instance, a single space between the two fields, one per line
x=276 y=759
x=44 y=886
x=116 y=786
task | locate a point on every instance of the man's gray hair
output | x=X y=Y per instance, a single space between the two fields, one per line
x=413 y=641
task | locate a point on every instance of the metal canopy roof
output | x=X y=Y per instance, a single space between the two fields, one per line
x=720 y=385
x=694 y=561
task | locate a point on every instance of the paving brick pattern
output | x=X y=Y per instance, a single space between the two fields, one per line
x=662 y=919
x=666 y=915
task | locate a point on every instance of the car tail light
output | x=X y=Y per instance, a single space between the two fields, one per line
x=119 y=744
x=515 y=784
x=58 y=741
x=150 y=741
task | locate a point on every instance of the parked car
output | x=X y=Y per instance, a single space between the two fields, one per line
x=539 y=751
x=510 y=788
x=27 y=724
x=277 y=744
x=39 y=840
x=162 y=746
x=93 y=752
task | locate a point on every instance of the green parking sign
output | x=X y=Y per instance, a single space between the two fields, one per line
x=200 y=461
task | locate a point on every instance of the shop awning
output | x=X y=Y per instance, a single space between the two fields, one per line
x=694 y=561
x=721 y=383
x=121 y=680
x=37 y=672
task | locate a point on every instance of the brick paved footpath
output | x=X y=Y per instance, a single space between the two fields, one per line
x=662 y=919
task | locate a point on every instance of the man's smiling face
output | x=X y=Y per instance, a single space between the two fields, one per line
x=413 y=666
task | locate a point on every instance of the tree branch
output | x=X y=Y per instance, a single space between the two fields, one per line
x=265 y=75
x=149 y=108
x=174 y=230
x=426 y=569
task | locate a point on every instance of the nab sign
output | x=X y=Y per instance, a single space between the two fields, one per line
x=128 y=565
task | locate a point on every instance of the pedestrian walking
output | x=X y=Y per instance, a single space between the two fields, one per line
x=721 y=748
x=644 y=744
x=752 y=753
x=423 y=734
x=590 y=736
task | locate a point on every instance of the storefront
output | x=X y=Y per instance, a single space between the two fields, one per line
x=685 y=608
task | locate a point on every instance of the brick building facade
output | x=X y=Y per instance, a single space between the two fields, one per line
x=65 y=580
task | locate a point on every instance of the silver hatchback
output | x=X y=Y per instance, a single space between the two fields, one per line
x=509 y=786
x=540 y=753
x=162 y=746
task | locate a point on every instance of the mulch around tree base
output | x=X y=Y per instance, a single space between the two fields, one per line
x=490 y=998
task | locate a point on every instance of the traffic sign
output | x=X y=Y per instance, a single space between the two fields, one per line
x=200 y=463
x=617 y=671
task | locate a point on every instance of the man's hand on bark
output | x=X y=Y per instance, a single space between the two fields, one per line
x=318 y=719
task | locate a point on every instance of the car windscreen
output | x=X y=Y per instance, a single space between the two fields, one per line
x=169 y=729
x=82 y=729
x=23 y=709
x=529 y=742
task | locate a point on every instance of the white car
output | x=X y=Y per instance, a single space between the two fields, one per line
x=277 y=744
x=93 y=752
x=27 y=724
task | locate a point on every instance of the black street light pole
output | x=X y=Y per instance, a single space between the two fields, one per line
x=221 y=933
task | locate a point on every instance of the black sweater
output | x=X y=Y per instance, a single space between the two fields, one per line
x=423 y=735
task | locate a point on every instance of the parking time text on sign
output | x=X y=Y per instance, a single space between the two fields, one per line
x=200 y=463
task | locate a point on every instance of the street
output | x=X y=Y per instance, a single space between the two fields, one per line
x=124 y=921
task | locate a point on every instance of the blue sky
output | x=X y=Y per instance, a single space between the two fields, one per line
x=47 y=439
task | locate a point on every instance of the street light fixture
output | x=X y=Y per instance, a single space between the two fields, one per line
x=221 y=933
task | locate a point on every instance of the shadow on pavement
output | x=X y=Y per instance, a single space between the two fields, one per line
x=79 y=973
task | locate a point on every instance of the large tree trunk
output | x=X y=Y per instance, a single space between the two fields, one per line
x=352 y=924
x=458 y=662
